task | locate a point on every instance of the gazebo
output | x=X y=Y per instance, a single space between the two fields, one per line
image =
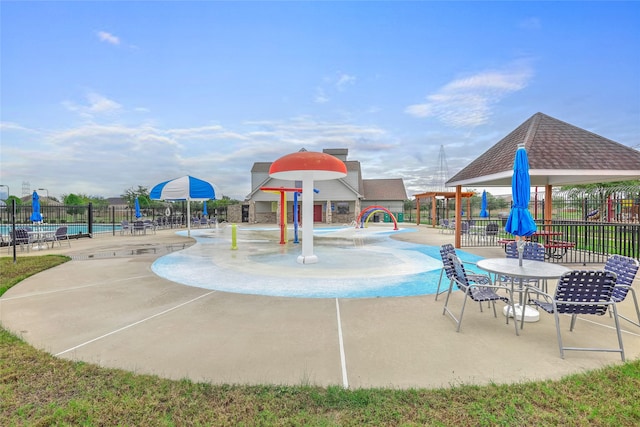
x=559 y=154
x=434 y=196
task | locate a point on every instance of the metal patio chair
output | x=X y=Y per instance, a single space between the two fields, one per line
x=476 y=292
x=447 y=269
x=59 y=236
x=625 y=269
x=580 y=292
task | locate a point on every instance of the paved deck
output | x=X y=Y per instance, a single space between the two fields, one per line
x=107 y=307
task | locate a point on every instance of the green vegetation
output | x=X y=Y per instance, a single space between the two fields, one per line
x=39 y=389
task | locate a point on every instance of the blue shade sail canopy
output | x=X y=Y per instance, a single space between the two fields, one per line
x=137 y=204
x=184 y=188
x=36 y=216
x=483 y=207
x=520 y=222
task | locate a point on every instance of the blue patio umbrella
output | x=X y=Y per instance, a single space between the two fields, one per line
x=185 y=188
x=36 y=216
x=483 y=207
x=137 y=204
x=520 y=223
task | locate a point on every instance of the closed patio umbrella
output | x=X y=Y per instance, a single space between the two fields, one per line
x=520 y=222
x=137 y=205
x=36 y=216
x=483 y=207
x=204 y=209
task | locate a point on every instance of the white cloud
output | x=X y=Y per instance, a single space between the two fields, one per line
x=468 y=101
x=108 y=38
x=96 y=105
x=343 y=80
x=320 y=97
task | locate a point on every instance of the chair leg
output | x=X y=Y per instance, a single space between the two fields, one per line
x=464 y=303
x=557 y=317
x=573 y=322
x=635 y=304
x=615 y=317
x=439 y=283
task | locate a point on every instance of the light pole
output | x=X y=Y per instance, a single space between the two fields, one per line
x=44 y=189
x=8 y=191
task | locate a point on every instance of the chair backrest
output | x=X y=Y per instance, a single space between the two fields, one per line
x=446 y=250
x=532 y=250
x=459 y=273
x=138 y=225
x=625 y=269
x=491 y=229
x=464 y=227
x=591 y=288
x=21 y=235
x=61 y=231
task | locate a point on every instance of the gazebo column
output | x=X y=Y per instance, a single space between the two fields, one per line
x=548 y=204
x=458 y=217
x=434 y=211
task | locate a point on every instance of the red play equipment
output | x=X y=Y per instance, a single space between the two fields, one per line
x=370 y=210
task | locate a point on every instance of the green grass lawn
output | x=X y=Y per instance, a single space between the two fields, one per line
x=37 y=389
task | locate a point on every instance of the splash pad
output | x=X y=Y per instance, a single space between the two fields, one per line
x=354 y=263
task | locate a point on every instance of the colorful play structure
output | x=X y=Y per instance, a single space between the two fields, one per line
x=283 y=210
x=369 y=211
x=365 y=215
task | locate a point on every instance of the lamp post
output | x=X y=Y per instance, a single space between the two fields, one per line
x=44 y=189
x=8 y=191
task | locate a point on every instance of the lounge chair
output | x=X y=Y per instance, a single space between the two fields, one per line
x=59 y=236
x=580 y=292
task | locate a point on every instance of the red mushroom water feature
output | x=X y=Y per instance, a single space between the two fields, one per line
x=307 y=166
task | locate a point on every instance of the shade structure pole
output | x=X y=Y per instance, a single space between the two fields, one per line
x=307 y=256
x=188 y=217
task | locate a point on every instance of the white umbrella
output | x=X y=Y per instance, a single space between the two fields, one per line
x=184 y=188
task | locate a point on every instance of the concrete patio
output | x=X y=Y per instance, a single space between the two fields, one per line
x=107 y=307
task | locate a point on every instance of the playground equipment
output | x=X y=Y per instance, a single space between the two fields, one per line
x=308 y=167
x=368 y=212
x=283 y=210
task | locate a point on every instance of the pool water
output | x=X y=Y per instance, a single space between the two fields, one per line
x=352 y=263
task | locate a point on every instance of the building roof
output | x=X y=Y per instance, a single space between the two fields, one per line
x=559 y=154
x=384 y=189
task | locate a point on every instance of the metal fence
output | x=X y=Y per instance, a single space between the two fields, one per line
x=571 y=242
x=89 y=221
x=588 y=225
x=594 y=224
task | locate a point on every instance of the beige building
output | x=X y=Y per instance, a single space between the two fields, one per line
x=337 y=201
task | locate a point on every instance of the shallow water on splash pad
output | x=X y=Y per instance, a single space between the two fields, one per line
x=352 y=263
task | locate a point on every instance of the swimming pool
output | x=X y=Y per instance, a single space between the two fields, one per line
x=72 y=228
x=353 y=263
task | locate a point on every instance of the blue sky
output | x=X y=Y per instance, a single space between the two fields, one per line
x=100 y=97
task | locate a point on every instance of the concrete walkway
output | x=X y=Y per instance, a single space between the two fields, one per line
x=107 y=307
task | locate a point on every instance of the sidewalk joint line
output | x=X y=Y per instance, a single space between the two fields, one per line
x=133 y=324
x=343 y=361
x=73 y=288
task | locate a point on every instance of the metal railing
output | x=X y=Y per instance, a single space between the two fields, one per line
x=590 y=242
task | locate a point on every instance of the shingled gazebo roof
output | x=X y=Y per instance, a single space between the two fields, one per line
x=559 y=154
